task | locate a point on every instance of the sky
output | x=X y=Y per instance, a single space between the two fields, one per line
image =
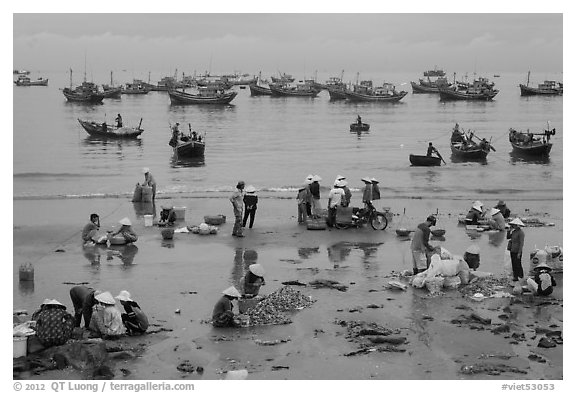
x=289 y=42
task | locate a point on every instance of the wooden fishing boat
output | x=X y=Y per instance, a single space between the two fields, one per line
x=365 y=92
x=24 y=80
x=465 y=148
x=429 y=85
x=299 y=90
x=524 y=143
x=190 y=149
x=337 y=92
x=359 y=127
x=480 y=90
x=111 y=91
x=87 y=92
x=206 y=95
x=547 y=88
x=136 y=87
x=417 y=160
x=257 y=90
x=110 y=131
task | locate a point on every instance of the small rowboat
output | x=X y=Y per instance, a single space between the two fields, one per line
x=417 y=160
x=189 y=149
x=97 y=129
x=359 y=127
x=524 y=143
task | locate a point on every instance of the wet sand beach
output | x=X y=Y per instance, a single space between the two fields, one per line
x=189 y=272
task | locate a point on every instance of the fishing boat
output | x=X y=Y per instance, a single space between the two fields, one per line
x=284 y=78
x=168 y=83
x=465 y=148
x=87 y=92
x=24 y=80
x=21 y=72
x=136 y=87
x=366 y=92
x=417 y=160
x=525 y=143
x=260 y=87
x=547 y=88
x=110 y=131
x=298 y=90
x=337 y=92
x=205 y=95
x=480 y=90
x=359 y=127
x=111 y=91
x=187 y=146
x=429 y=84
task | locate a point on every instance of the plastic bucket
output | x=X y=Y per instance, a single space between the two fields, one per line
x=20 y=346
x=180 y=212
x=148 y=220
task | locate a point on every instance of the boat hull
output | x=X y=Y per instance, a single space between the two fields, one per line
x=179 y=97
x=281 y=92
x=189 y=149
x=417 y=160
x=337 y=94
x=475 y=153
x=359 y=127
x=95 y=129
x=533 y=150
x=87 y=98
x=43 y=82
x=417 y=88
x=135 y=91
x=113 y=93
x=256 y=90
x=531 y=91
x=450 y=94
x=352 y=96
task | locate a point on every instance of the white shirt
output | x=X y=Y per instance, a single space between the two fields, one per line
x=335 y=197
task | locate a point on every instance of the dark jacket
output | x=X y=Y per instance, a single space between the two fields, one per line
x=250 y=201
x=516 y=242
x=421 y=238
x=315 y=190
x=473 y=216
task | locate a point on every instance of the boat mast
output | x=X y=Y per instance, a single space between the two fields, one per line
x=84 y=67
x=111 y=82
x=70 y=78
x=528 y=80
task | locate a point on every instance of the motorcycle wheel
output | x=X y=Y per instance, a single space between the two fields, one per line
x=378 y=221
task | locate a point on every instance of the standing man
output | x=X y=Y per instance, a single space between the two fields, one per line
x=118 y=121
x=237 y=200
x=250 y=205
x=420 y=246
x=335 y=198
x=309 y=195
x=367 y=194
x=149 y=181
x=515 y=245
x=315 y=191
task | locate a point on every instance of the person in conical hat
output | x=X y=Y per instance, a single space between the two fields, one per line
x=542 y=283
x=149 y=181
x=53 y=324
x=515 y=245
x=367 y=193
x=496 y=220
x=126 y=231
x=316 y=206
x=474 y=214
x=237 y=200
x=501 y=205
x=106 y=320
x=223 y=313
x=472 y=256
x=253 y=280
x=250 y=206
x=338 y=178
x=134 y=319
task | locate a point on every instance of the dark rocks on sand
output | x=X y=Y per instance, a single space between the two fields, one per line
x=325 y=283
x=490 y=369
x=545 y=342
x=505 y=328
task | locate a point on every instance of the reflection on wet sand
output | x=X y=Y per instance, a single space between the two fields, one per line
x=144 y=208
x=306 y=252
x=339 y=252
x=26 y=288
x=125 y=253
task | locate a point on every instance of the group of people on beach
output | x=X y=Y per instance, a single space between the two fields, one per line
x=55 y=326
x=244 y=204
x=424 y=254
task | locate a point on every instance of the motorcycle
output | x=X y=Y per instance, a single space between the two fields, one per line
x=352 y=217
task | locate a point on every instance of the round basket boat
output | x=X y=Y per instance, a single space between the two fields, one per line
x=402 y=232
x=438 y=232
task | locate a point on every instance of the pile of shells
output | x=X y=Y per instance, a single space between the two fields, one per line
x=486 y=286
x=271 y=310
